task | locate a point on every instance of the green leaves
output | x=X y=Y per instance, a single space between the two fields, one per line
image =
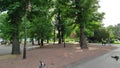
x=70 y=12
x=12 y=8
x=40 y=26
x=14 y=5
x=5 y=28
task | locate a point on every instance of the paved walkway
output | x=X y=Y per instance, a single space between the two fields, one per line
x=54 y=56
x=105 y=61
x=7 y=49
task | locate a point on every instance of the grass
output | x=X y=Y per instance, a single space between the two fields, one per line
x=116 y=42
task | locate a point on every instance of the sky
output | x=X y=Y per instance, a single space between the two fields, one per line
x=112 y=11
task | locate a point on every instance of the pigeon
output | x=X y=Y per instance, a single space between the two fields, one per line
x=42 y=65
x=115 y=57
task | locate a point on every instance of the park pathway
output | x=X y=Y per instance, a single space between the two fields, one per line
x=104 y=61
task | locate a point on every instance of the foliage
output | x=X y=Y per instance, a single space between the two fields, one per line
x=114 y=31
x=117 y=31
x=78 y=18
x=99 y=34
x=5 y=28
x=40 y=26
x=15 y=12
x=85 y=15
x=111 y=30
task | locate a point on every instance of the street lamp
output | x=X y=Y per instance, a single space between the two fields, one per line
x=28 y=8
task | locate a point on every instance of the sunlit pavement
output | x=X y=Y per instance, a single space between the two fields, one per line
x=104 y=61
x=5 y=49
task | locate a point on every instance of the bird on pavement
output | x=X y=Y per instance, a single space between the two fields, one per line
x=115 y=57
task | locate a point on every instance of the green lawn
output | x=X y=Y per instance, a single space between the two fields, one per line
x=117 y=42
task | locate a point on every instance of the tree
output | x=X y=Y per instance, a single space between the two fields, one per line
x=4 y=27
x=84 y=13
x=40 y=27
x=101 y=33
x=81 y=15
x=59 y=14
x=117 y=31
x=15 y=11
x=111 y=30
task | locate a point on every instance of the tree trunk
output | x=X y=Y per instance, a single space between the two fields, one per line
x=32 y=40
x=15 y=43
x=54 y=35
x=62 y=36
x=59 y=27
x=42 y=42
x=83 y=39
x=47 y=40
x=14 y=21
x=59 y=37
x=39 y=41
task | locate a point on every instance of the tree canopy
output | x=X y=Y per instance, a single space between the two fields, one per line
x=68 y=17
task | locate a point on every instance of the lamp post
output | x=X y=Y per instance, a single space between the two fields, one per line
x=28 y=8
